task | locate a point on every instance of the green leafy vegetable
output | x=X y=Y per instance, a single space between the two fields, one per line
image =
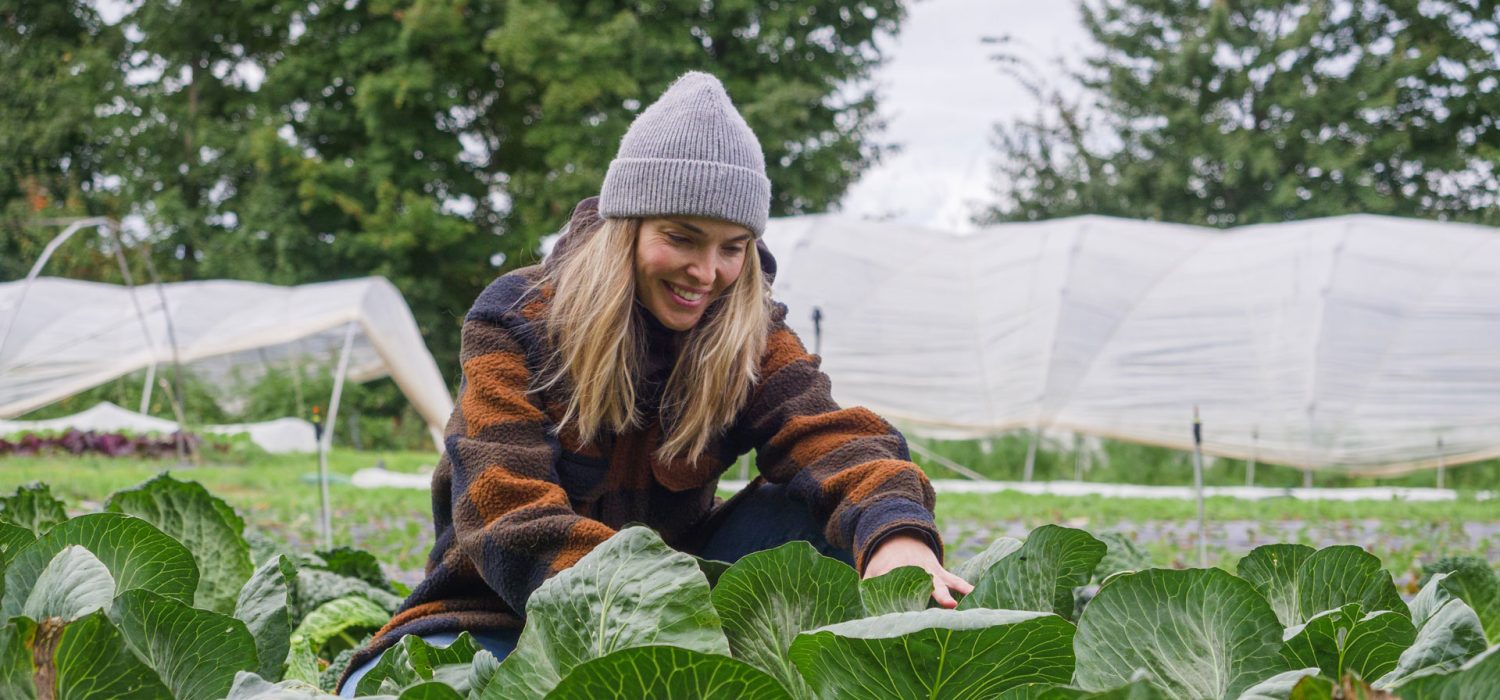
x=974 y=567
x=666 y=673
x=905 y=589
x=1345 y=640
x=263 y=606
x=1041 y=574
x=632 y=590
x=195 y=652
x=342 y=619
x=32 y=507
x=209 y=528
x=74 y=584
x=767 y=598
x=935 y=654
x=1447 y=639
x=136 y=554
x=412 y=661
x=1198 y=633
x=1272 y=570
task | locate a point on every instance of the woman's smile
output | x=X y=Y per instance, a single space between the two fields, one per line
x=685 y=296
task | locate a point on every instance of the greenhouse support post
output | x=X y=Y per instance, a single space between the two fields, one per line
x=140 y=313
x=1198 y=488
x=1077 y=456
x=326 y=439
x=960 y=469
x=1254 y=449
x=174 y=391
x=1030 y=469
x=1442 y=463
x=146 y=387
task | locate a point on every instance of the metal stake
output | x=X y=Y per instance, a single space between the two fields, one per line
x=1198 y=487
x=1030 y=457
x=326 y=440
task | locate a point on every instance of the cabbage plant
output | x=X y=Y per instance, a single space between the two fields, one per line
x=161 y=596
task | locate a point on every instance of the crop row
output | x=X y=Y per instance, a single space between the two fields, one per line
x=159 y=596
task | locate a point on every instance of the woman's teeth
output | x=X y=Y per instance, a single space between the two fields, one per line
x=685 y=294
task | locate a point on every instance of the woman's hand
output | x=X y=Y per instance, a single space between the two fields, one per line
x=905 y=550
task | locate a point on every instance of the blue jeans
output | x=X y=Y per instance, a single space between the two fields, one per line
x=758 y=518
x=763 y=516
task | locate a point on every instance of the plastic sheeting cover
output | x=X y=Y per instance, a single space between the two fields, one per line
x=71 y=335
x=1360 y=343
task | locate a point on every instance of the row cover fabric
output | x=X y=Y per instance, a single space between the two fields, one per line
x=71 y=335
x=277 y=436
x=1362 y=344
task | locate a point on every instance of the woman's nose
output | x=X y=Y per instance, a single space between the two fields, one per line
x=702 y=269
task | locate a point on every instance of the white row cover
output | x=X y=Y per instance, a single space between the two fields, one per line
x=1360 y=343
x=72 y=335
x=276 y=436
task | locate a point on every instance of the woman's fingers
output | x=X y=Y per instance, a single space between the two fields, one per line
x=941 y=595
x=958 y=584
x=944 y=584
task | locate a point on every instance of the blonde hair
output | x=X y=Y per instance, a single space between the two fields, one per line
x=599 y=346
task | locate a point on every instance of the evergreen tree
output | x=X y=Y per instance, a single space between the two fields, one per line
x=434 y=142
x=61 y=63
x=1237 y=112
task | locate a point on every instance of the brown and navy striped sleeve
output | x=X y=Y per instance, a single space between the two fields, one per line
x=511 y=517
x=848 y=463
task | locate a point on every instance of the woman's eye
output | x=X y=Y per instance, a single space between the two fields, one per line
x=677 y=239
x=735 y=249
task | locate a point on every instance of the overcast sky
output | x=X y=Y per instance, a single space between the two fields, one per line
x=943 y=96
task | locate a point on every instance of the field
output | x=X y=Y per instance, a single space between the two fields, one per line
x=278 y=497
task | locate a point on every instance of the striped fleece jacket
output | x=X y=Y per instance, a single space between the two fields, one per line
x=514 y=501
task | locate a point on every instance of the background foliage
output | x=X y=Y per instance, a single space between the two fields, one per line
x=1228 y=113
x=430 y=141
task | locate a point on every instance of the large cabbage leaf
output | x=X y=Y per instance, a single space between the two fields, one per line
x=666 y=673
x=1478 y=678
x=263 y=606
x=903 y=589
x=1041 y=574
x=84 y=658
x=74 y=584
x=1447 y=639
x=1272 y=570
x=195 y=652
x=1197 y=633
x=936 y=654
x=632 y=590
x=137 y=555
x=1345 y=640
x=210 y=529
x=767 y=598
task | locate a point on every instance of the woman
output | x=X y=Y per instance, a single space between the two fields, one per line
x=615 y=383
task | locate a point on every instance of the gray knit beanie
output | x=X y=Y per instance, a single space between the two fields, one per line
x=689 y=153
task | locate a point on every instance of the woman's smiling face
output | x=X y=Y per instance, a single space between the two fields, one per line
x=683 y=263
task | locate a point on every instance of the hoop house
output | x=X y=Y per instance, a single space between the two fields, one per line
x=71 y=335
x=1363 y=344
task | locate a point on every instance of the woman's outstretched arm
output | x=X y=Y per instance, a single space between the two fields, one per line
x=849 y=464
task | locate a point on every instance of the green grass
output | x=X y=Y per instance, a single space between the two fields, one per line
x=278 y=497
x=1003 y=458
